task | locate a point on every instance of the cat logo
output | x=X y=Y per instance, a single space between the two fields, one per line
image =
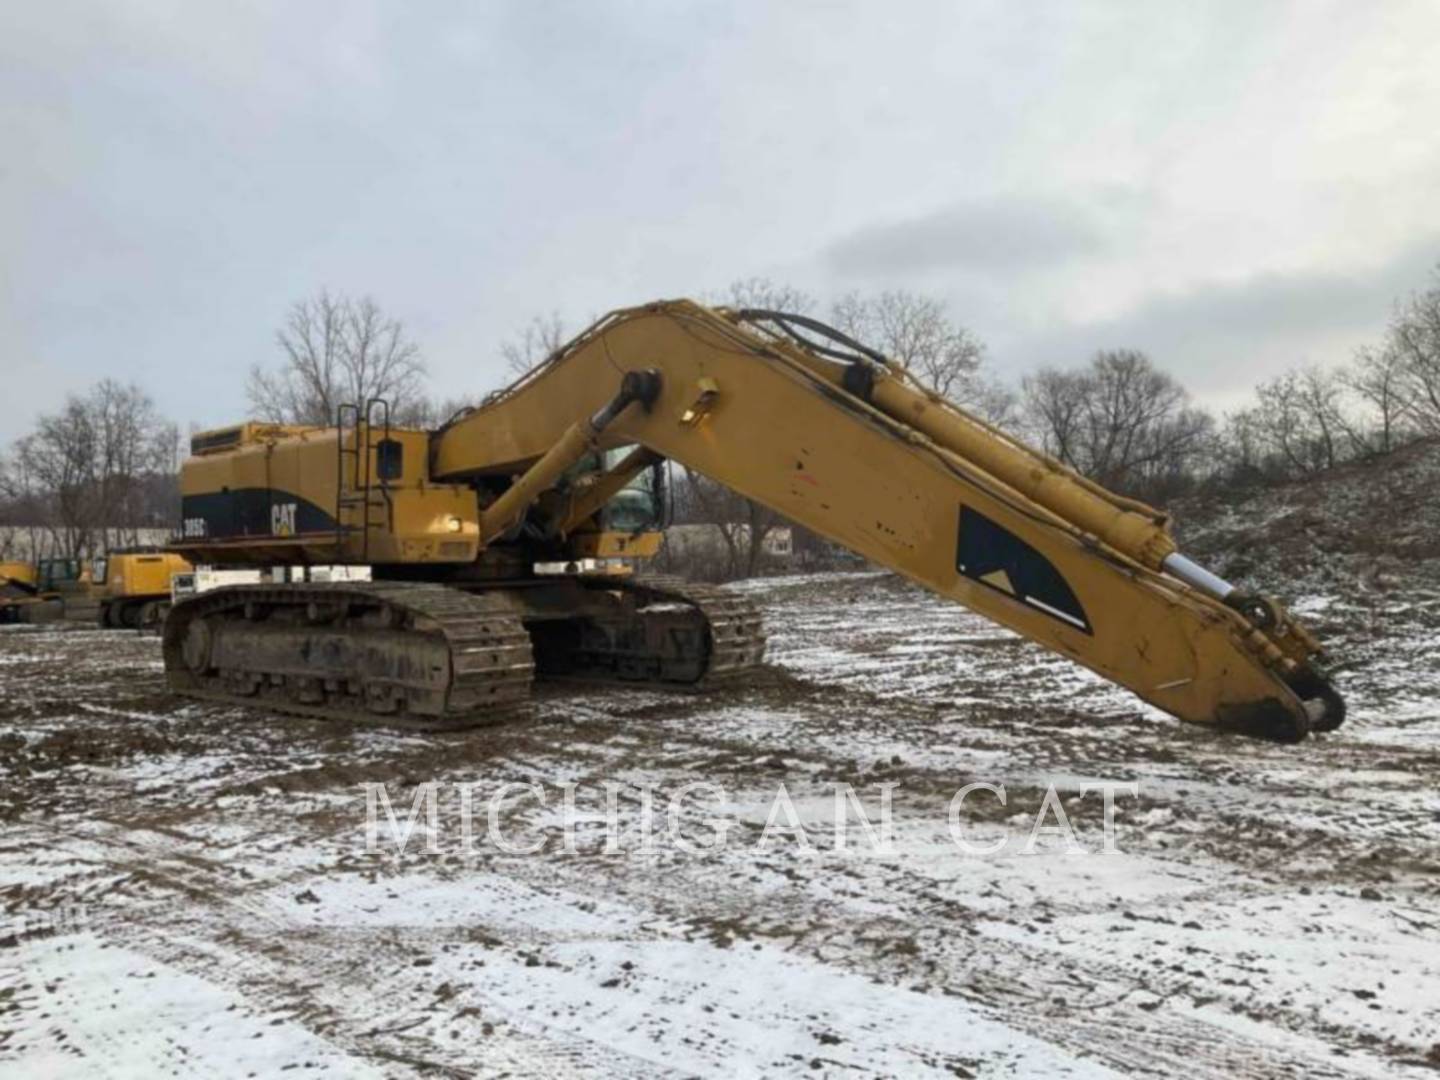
x=282 y=519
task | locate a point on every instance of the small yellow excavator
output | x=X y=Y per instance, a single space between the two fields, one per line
x=567 y=467
x=21 y=597
x=133 y=585
x=46 y=591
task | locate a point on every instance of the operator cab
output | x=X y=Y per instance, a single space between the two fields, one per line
x=640 y=506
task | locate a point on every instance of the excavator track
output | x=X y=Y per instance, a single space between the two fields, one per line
x=734 y=626
x=656 y=630
x=411 y=655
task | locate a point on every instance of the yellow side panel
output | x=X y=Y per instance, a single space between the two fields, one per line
x=614 y=545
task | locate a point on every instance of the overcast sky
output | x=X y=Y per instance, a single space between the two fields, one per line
x=1233 y=187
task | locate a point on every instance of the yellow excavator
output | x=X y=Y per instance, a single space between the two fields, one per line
x=567 y=467
x=41 y=592
x=20 y=592
x=132 y=586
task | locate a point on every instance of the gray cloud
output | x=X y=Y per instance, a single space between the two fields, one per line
x=176 y=174
x=1222 y=337
x=1002 y=235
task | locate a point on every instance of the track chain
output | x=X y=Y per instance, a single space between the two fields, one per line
x=737 y=631
x=490 y=663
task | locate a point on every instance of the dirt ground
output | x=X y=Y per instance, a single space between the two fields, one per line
x=187 y=889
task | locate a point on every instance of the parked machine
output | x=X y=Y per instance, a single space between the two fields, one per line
x=21 y=597
x=132 y=586
x=46 y=591
x=782 y=409
x=62 y=575
x=67 y=582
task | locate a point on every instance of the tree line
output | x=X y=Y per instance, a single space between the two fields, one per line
x=1134 y=428
x=96 y=475
x=102 y=470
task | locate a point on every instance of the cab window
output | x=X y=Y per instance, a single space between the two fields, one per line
x=389 y=459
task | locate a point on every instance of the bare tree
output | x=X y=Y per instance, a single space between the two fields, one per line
x=1305 y=422
x=1336 y=433
x=995 y=401
x=133 y=445
x=1120 y=421
x=1054 y=405
x=338 y=350
x=742 y=524
x=765 y=294
x=916 y=333
x=1282 y=418
x=1243 y=445
x=1378 y=378
x=98 y=471
x=542 y=337
x=1287 y=421
x=56 y=458
x=1414 y=336
x=1310 y=420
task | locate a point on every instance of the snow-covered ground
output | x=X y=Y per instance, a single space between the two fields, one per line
x=187 y=889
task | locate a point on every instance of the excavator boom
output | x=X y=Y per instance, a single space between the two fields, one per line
x=824 y=431
x=783 y=410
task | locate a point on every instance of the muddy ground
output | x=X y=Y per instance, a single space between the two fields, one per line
x=187 y=888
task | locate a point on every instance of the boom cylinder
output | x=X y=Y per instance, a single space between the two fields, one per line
x=579 y=437
x=1198 y=577
x=1142 y=538
x=606 y=487
x=505 y=511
